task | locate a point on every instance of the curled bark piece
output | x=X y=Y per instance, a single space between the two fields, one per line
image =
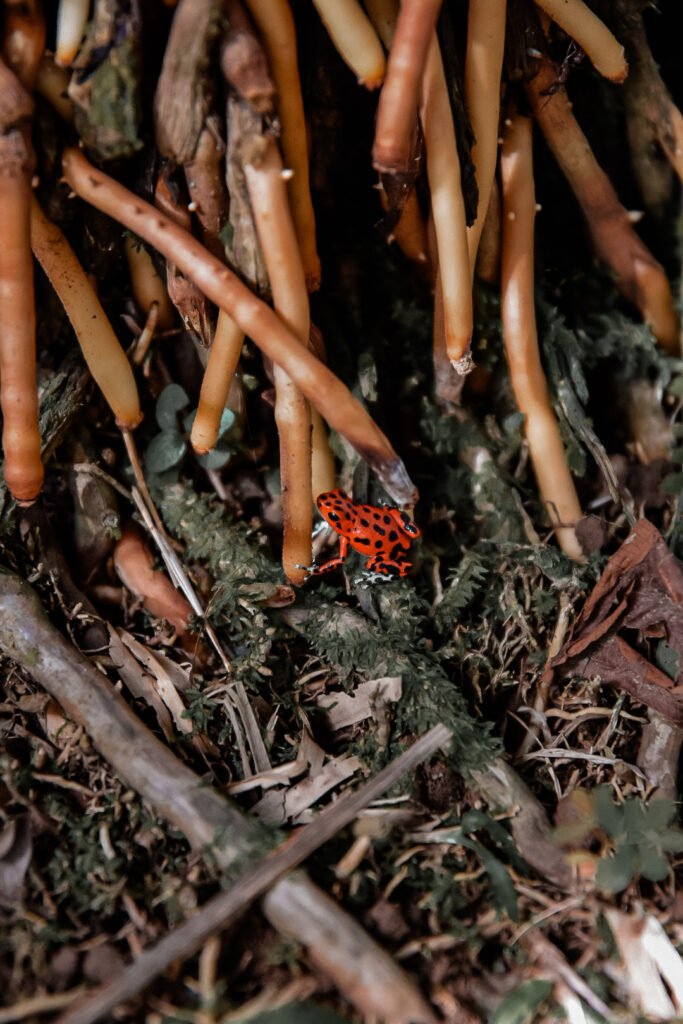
x=72 y=17
x=521 y=340
x=206 y=185
x=224 y=357
x=24 y=40
x=276 y=24
x=243 y=61
x=640 y=278
x=332 y=398
x=605 y=53
x=18 y=392
x=199 y=811
x=101 y=349
x=354 y=38
x=134 y=564
x=393 y=150
x=448 y=209
x=483 y=67
x=183 y=93
x=268 y=194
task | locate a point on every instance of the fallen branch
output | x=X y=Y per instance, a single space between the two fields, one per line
x=640 y=277
x=225 y=908
x=325 y=391
x=341 y=947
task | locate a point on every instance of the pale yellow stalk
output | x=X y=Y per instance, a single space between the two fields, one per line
x=146 y=284
x=605 y=53
x=72 y=17
x=354 y=38
x=101 y=349
x=448 y=209
x=224 y=357
x=520 y=337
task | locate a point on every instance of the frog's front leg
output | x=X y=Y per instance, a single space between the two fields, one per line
x=333 y=563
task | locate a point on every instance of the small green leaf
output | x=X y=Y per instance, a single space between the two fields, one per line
x=660 y=813
x=216 y=458
x=672 y=483
x=610 y=815
x=227 y=422
x=671 y=840
x=172 y=400
x=521 y=1005
x=614 y=873
x=676 y=387
x=501 y=883
x=164 y=451
x=653 y=865
x=667 y=659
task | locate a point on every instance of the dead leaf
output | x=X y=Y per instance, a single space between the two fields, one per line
x=369 y=700
x=641 y=589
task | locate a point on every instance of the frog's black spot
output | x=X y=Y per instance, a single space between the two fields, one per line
x=393 y=535
x=334 y=517
x=397 y=552
x=380 y=531
x=364 y=522
x=387 y=519
x=362 y=540
x=379 y=543
x=376 y=515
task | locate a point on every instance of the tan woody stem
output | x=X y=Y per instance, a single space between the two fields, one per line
x=640 y=278
x=268 y=195
x=521 y=340
x=354 y=38
x=332 y=398
x=483 y=66
x=448 y=209
x=276 y=24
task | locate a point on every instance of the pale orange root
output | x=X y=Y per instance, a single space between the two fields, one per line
x=268 y=195
x=640 y=278
x=520 y=337
x=276 y=24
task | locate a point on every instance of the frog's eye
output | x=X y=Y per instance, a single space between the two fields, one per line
x=333 y=517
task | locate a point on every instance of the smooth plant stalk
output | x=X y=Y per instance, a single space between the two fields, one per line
x=224 y=357
x=18 y=393
x=393 y=151
x=268 y=195
x=354 y=38
x=640 y=278
x=52 y=82
x=383 y=15
x=101 y=348
x=483 y=68
x=448 y=209
x=323 y=467
x=276 y=24
x=410 y=233
x=322 y=388
x=605 y=53
x=72 y=17
x=521 y=339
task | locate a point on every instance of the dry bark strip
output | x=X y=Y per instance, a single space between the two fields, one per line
x=324 y=390
x=224 y=909
x=365 y=974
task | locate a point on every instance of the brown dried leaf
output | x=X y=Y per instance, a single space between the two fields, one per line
x=15 y=856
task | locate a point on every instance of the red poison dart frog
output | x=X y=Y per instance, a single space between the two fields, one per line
x=383 y=535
